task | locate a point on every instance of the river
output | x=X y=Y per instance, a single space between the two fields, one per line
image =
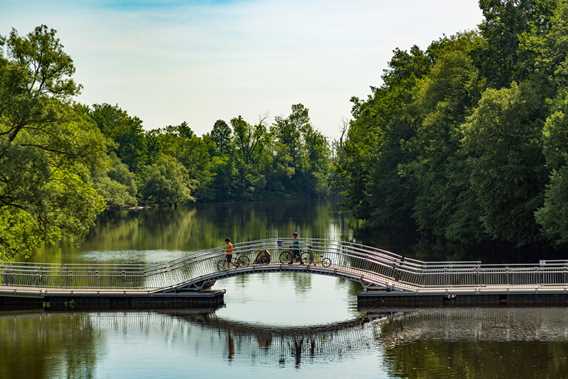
x=276 y=325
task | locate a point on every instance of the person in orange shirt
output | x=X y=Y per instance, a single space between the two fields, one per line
x=229 y=251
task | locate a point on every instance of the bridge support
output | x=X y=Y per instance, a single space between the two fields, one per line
x=195 y=287
x=374 y=298
x=206 y=300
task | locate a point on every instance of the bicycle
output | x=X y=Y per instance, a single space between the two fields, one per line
x=289 y=256
x=308 y=256
x=236 y=262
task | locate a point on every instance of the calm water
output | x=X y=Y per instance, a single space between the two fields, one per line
x=273 y=325
x=156 y=236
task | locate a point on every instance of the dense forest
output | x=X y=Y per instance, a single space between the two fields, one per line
x=63 y=163
x=466 y=142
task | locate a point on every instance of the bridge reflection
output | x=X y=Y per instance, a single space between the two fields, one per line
x=265 y=344
x=270 y=344
x=404 y=342
x=284 y=344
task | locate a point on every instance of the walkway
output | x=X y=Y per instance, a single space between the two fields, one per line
x=372 y=267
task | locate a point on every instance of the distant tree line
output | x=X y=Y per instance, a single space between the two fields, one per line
x=467 y=141
x=235 y=161
x=63 y=163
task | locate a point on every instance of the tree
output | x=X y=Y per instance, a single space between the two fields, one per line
x=499 y=57
x=301 y=155
x=116 y=184
x=47 y=147
x=318 y=155
x=553 y=216
x=125 y=131
x=221 y=136
x=195 y=153
x=453 y=138
x=503 y=142
x=251 y=156
x=374 y=149
x=443 y=206
x=35 y=78
x=165 y=183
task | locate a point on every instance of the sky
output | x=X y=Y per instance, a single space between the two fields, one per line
x=168 y=61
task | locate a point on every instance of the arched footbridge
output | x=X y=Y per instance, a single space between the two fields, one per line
x=372 y=267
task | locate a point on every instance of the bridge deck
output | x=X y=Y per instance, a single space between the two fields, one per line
x=373 y=268
x=371 y=280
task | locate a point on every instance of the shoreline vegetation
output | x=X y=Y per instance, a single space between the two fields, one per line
x=462 y=145
x=465 y=143
x=64 y=163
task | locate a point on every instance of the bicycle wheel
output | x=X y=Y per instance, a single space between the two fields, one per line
x=221 y=265
x=285 y=257
x=307 y=258
x=243 y=260
x=326 y=262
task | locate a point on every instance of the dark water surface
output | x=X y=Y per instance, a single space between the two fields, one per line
x=277 y=325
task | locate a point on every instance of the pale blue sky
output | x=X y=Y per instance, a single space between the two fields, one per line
x=201 y=60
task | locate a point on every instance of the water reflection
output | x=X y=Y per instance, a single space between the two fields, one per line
x=288 y=299
x=49 y=345
x=271 y=344
x=161 y=235
x=477 y=343
x=504 y=343
x=478 y=324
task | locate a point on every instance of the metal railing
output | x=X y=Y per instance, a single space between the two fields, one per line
x=369 y=265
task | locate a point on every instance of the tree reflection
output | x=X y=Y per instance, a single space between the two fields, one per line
x=206 y=226
x=35 y=346
x=466 y=343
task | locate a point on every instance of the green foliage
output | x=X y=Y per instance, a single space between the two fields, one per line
x=64 y=163
x=507 y=22
x=454 y=142
x=302 y=155
x=370 y=157
x=165 y=183
x=442 y=100
x=47 y=147
x=553 y=216
x=116 y=184
x=221 y=136
x=240 y=161
x=502 y=140
x=251 y=155
x=125 y=131
x=191 y=151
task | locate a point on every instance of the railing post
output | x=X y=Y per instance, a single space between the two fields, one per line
x=477 y=276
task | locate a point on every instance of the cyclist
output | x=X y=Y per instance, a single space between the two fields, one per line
x=229 y=248
x=296 y=252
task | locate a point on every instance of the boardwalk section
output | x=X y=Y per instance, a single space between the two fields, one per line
x=381 y=273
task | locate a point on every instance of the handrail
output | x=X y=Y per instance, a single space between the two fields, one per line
x=350 y=259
